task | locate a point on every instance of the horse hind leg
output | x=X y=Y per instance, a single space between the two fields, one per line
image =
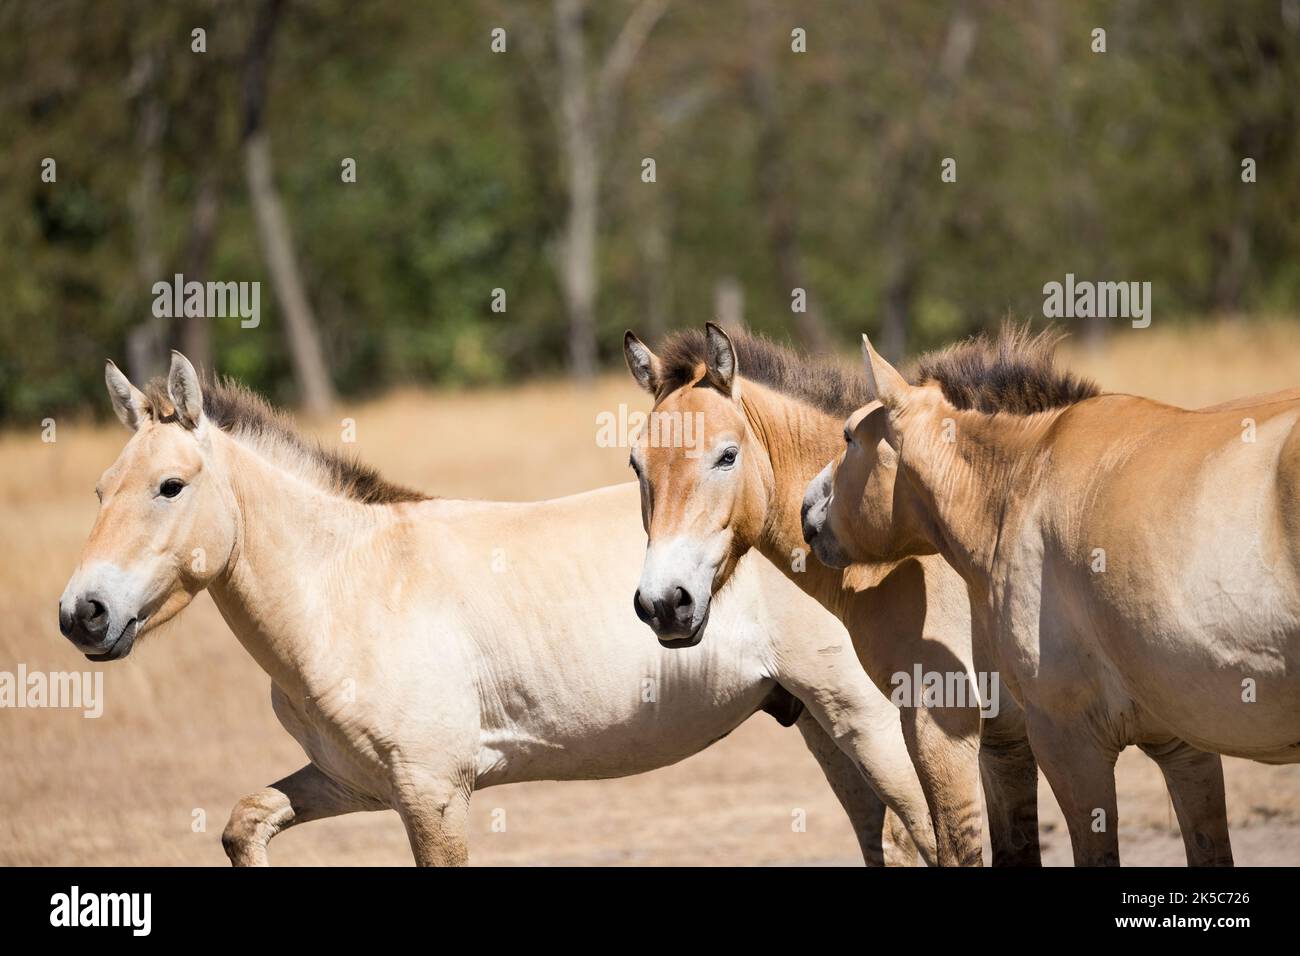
x=882 y=836
x=1195 y=782
x=308 y=794
x=1079 y=764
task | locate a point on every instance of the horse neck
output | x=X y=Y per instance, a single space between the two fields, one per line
x=972 y=484
x=799 y=441
x=290 y=567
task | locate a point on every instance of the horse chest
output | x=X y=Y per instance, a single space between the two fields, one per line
x=325 y=743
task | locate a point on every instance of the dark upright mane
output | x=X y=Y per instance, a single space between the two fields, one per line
x=822 y=383
x=242 y=413
x=1015 y=373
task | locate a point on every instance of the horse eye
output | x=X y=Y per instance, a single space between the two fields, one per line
x=848 y=437
x=728 y=458
x=171 y=487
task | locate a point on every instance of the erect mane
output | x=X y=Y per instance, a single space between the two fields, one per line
x=245 y=415
x=823 y=383
x=1015 y=373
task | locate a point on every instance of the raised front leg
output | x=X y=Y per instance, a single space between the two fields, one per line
x=1080 y=767
x=300 y=797
x=1010 y=777
x=1195 y=782
x=882 y=836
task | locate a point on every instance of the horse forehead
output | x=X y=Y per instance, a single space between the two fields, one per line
x=717 y=412
x=125 y=462
x=152 y=446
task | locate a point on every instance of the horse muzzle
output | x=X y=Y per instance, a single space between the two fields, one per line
x=89 y=623
x=673 y=616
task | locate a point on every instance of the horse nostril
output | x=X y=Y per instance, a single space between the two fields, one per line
x=65 y=621
x=92 y=615
x=682 y=598
x=644 y=612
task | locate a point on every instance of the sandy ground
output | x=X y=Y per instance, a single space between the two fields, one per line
x=188 y=727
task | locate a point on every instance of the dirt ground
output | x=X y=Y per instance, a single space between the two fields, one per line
x=188 y=728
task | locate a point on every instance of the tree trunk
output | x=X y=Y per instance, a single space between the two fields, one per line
x=775 y=184
x=146 y=341
x=277 y=245
x=654 y=239
x=196 y=332
x=585 y=117
x=205 y=105
x=904 y=232
x=729 y=304
x=577 y=259
x=274 y=234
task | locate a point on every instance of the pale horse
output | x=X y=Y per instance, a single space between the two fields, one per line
x=422 y=648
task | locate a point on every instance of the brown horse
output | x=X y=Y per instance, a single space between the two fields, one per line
x=1132 y=566
x=769 y=420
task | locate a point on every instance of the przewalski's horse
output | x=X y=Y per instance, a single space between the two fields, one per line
x=769 y=419
x=1132 y=565
x=421 y=649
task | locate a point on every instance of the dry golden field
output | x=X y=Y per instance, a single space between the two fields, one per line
x=188 y=725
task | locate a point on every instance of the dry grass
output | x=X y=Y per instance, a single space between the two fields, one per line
x=188 y=725
x=1194 y=366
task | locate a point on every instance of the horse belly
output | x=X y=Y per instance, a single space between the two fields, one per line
x=1226 y=680
x=591 y=740
x=1197 y=613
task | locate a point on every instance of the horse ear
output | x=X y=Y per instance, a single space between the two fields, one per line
x=183 y=390
x=720 y=359
x=128 y=401
x=642 y=363
x=883 y=381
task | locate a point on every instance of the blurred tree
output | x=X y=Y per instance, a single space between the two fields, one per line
x=584 y=100
x=273 y=228
x=145 y=342
x=772 y=174
x=493 y=174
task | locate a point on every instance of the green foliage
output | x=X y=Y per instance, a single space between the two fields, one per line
x=1123 y=165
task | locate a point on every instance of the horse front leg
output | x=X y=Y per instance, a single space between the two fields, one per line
x=1010 y=777
x=882 y=836
x=848 y=710
x=305 y=795
x=944 y=746
x=435 y=811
